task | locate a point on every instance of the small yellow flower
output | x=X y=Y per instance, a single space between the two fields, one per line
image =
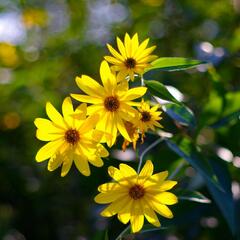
x=112 y=101
x=71 y=139
x=8 y=55
x=134 y=196
x=147 y=118
x=132 y=58
x=34 y=17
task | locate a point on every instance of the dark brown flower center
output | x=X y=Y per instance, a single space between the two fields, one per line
x=130 y=63
x=146 y=116
x=136 y=192
x=111 y=103
x=72 y=136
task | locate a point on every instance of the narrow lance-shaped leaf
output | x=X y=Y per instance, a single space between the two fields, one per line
x=158 y=89
x=173 y=64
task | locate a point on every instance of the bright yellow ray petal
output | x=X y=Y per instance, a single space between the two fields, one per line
x=67 y=163
x=121 y=76
x=122 y=129
x=121 y=48
x=109 y=196
x=165 y=198
x=167 y=185
x=150 y=214
x=137 y=218
x=108 y=79
x=134 y=93
x=95 y=161
x=67 y=110
x=127 y=43
x=55 y=116
x=128 y=172
x=45 y=136
x=113 y=60
x=146 y=52
x=96 y=108
x=146 y=172
x=161 y=209
x=115 y=53
x=89 y=86
x=82 y=164
x=110 y=186
x=87 y=99
x=157 y=178
x=48 y=126
x=54 y=162
x=124 y=214
x=89 y=124
x=48 y=150
x=141 y=48
x=135 y=43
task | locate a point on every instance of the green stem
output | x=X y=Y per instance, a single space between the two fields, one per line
x=177 y=170
x=119 y=237
x=146 y=151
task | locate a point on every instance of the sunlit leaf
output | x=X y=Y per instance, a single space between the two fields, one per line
x=173 y=64
x=193 y=196
x=158 y=89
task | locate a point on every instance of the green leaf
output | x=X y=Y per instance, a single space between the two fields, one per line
x=189 y=152
x=106 y=235
x=173 y=64
x=180 y=113
x=158 y=89
x=193 y=196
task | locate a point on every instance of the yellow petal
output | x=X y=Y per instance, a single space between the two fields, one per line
x=117 y=175
x=137 y=218
x=98 y=108
x=67 y=110
x=122 y=129
x=124 y=214
x=141 y=48
x=110 y=186
x=166 y=198
x=95 y=161
x=115 y=207
x=67 y=163
x=55 y=116
x=121 y=48
x=48 y=126
x=121 y=76
x=87 y=99
x=128 y=172
x=113 y=60
x=127 y=43
x=89 y=86
x=89 y=124
x=115 y=53
x=82 y=165
x=135 y=43
x=167 y=185
x=48 y=150
x=45 y=136
x=156 y=179
x=102 y=151
x=150 y=215
x=54 y=162
x=109 y=196
x=146 y=171
x=108 y=79
x=134 y=93
x=145 y=53
x=161 y=209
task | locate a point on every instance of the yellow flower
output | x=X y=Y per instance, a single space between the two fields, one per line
x=134 y=196
x=71 y=139
x=8 y=55
x=131 y=58
x=34 y=17
x=112 y=101
x=147 y=118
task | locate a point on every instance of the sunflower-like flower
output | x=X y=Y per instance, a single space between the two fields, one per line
x=71 y=139
x=134 y=196
x=112 y=101
x=132 y=58
x=147 y=118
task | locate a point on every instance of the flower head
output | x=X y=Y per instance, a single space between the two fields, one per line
x=134 y=196
x=132 y=58
x=112 y=101
x=70 y=138
x=147 y=117
x=133 y=134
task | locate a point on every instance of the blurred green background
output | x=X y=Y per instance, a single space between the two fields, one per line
x=44 y=44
